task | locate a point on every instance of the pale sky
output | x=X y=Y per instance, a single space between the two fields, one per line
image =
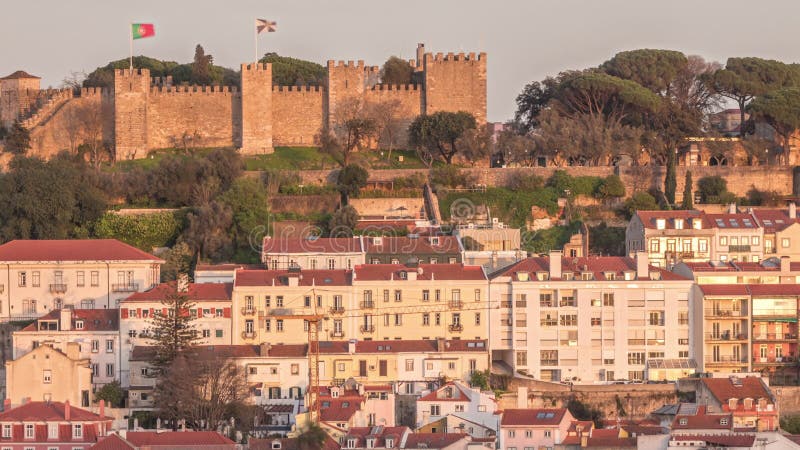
x=525 y=40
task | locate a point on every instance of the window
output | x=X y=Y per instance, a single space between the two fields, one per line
x=77 y=430
x=81 y=278
x=546 y=299
x=437 y=319
x=437 y=295
x=785 y=242
x=398 y=319
x=477 y=318
x=96 y=370
x=307 y=301
x=52 y=431
x=426 y=295
x=109 y=345
x=47 y=376
x=655 y=246
x=29 y=431
x=608 y=299
x=512 y=433
x=109 y=370
x=295 y=369
x=569 y=320
x=6 y=431
x=755 y=240
x=435 y=410
x=248 y=326
x=268 y=325
x=206 y=333
x=218 y=333
x=723 y=240
x=636 y=358
x=547 y=433
x=702 y=246
x=267 y=301
x=596 y=321
x=279 y=325
x=386 y=295
x=477 y=295
x=409 y=365
x=95 y=278
x=426 y=319
x=95 y=346
x=398 y=295
x=683 y=354
x=522 y=358
x=331 y=263
x=35 y=278
x=279 y=301
x=78 y=324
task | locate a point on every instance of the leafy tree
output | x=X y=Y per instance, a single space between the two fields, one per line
x=174 y=333
x=612 y=186
x=343 y=222
x=582 y=411
x=477 y=144
x=688 y=195
x=312 y=438
x=656 y=70
x=449 y=176
x=439 y=132
x=144 y=231
x=208 y=231
x=515 y=148
x=780 y=109
x=744 y=79
x=112 y=393
x=350 y=180
x=351 y=127
x=605 y=240
x=248 y=203
x=791 y=424
x=534 y=99
x=396 y=71
x=480 y=379
x=287 y=71
x=670 y=181
x=18 y=139
x=639 y=201
x=712 y=189
x=178 y=261
x=201 y=67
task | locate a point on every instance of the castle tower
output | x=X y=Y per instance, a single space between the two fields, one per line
x=455 y=82
x=345 y=81
x=17 y=92
x=256 y=109
x=131 y=89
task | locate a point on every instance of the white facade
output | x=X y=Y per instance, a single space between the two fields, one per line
x=458 y=399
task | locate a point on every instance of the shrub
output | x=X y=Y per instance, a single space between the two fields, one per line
x=711 y=188
x=144 y=231
x=639 y=201
x=413 y=181
x=521 y=181
x=611 y=186
x=756 y=197
x=449 y=176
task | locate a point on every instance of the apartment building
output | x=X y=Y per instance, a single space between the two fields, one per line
x=747 y=399
x=46 y=374
x=781 y=230
x=455 y=407
x=540 y=428
x=670 y=237
x=401 y=438
x=423 y=249
x=52 y=425
x=37 y=276
x=312 y=253
x=95 y=332
x=590 y=319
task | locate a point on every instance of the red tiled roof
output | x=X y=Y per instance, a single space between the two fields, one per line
x=73 y=250
x=406 y=245
x=702 y=421
x=648 y=218
x=774 y=219
x=723 y=388
x=112 y=442
x=147 y=353
x=459 y=394
x=774 y=289
x=386 y=272
x=609 y=438
x=19 y=74
x=597 y=265
x=723 y=440
x=288 y=350
x=225 y=267
x=386 y=225
x=378 y=388
x=289 y=444
x=48 y=412
x=280 y=277
x=738 y=266
x=197 y=292
x=724 y=289
x=339 y=409
x=738 y=219
x=361 y=434
x=152 y=438
x=433 y=440
x=313 y=245
x=93 y=320
x=533 y=417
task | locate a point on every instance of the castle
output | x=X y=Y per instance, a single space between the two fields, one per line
x=142 y=113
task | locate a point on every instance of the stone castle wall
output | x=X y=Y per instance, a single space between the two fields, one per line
x=298 y=114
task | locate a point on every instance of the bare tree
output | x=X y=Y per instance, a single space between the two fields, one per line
x=350 y=128
x=477 y=144
x=72 y=127
x=388 y=126
x=89 y=116
x=74 y=81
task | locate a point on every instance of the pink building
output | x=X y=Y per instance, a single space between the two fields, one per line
x=51 y=425
x=540 y=428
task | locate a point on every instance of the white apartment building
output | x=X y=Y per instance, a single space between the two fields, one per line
x=463 y=404
x=312 y=253
x=592 y=319
x=95 y=331
x=212 y=310
x=38 y=276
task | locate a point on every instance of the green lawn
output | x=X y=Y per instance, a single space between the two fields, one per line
x=154 y=157
x=290 y=158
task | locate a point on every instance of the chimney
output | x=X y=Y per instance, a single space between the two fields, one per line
x=555 y=264
x=420 y=53
x=102 y=408
x=6 y=404
x=264 y=350
x=792 y=210
x=786 y=264
x=135 y=424
x=183 y=282
x=440 y=344
x=66 y=411
x=732 y=208
x=351 y=346
x=522 y=397
x=65 y=319
x=642 y=265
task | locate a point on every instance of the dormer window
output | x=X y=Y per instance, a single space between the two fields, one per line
x=678 y=224
x=697 y=224
x=276 y=445
x=661 y=224
x=542 y=276
x=389 y=442
x=335 y=393
x=732 y=403
x=351 y=443
x=78 y=324
x=448 y=392
x=655 y=275
x=403 y=275
x=587 y=276
x=371 y=443
x=723 y=421
x=610 y=276
x=683 y=421
x=435 y=240
x=568 y=276
x=629 y=275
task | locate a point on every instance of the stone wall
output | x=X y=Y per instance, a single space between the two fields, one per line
x=455 y=82
x=409 y=100
x=298 y=113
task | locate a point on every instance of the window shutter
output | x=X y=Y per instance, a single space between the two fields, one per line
x=124 y=312
x=226 y=313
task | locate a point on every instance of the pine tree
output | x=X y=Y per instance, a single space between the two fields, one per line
x=201 y=68
x=173 y=332
x=688 y=196
x=670 y=181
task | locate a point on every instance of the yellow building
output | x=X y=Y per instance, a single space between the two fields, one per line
x=46 y=374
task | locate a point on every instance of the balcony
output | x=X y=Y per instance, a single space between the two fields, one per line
x=337 y=334
x=248 y=311
x=248 y=334
x=455 y=304
x=367 y=329
x=678 y=255
x=336 y=310
x=456 y=328
x=763 y=314
x=775 y=337
x=725 y=336
x=503 y=304
x=780 y=360
x=723 y=313
x=738 y=248
x=727 y=359
x=125 y=287
x=549 y=362
x=367 y=304
x=58 y=288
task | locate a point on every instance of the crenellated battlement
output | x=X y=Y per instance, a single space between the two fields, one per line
x=305 y=88
x=95 y=92
x=257 y=67
x=193 y=89
x=452 y=57
x=127 y=72
x=346 y=65
x=395 y=87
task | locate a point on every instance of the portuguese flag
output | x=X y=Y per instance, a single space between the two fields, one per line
x=142 y=30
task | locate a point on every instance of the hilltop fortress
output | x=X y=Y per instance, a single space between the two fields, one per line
x=142 y=113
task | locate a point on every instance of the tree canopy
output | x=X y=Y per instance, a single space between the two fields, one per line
x=288 y=71
x=439 y=132
x=396 y=71
x=780 y=109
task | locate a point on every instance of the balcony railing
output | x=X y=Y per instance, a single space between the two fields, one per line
x=337 y=334
x=549 y=362
x=125 y=287
x=679 y=255
x=714 y=312
x=456 y=327
x=503 y=304
x=58 y=288
x=738 y=248
x=775 y=337
x=725 y=359
x=367 y=304
x=336 y=310
x=367 y=328
x=775 y=360
x=774 y=313
x=726 y=336
x=455 y=304
x=248 y=311
x=248 y=334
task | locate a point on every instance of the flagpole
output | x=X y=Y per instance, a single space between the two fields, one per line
x=255 y=41
x=130 y=36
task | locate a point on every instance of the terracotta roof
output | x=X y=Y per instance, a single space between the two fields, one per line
x=152 y=438
x=379 y=433
x=339 y=409
x=48 y=412
x=774 y=289
x=722 y=440
x=93 y=320
x=224 y=267
x=288 y=444
x=648 y=218
x=19 y=74
x=73 y=250
x=280 y=277
x=767 y=265
x=408 y=246
x=609 y=438
x=533 y=417
x=197 y=292
x=312 y=245
x=112 y=442
x=433 y=440
x=774 y=219
x=386 y=272
x=703 y=421
x=724 y=289
x=147 y=353
x=288 y=350
x=746 y=387
x=730 y=221
x=460 y=394
x=597 y=265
